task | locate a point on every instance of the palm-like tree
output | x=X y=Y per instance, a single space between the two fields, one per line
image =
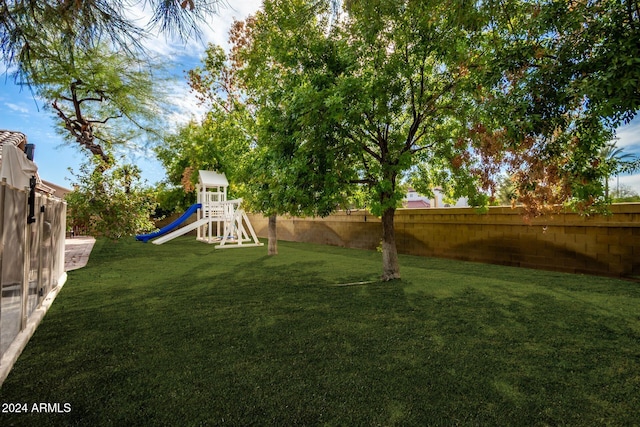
x=617 y=161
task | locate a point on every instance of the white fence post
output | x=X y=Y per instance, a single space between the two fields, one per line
x=26 y=236
x=3 y=186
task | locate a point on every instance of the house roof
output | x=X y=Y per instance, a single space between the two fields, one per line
x=416 y=204
x=18 y=139
x=57 y=190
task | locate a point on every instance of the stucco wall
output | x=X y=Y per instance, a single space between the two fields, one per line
x=568 y=242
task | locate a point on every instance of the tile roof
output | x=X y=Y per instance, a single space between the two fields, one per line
x=417 y=204
x=18 y=139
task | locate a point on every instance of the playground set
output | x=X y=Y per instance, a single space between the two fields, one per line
x=219 y=221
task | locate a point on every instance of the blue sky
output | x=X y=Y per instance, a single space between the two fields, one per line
x=20 y=111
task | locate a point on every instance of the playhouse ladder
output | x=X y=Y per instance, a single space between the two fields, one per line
x=236 y=230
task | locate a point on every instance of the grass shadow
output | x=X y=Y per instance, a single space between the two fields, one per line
x=189 y=335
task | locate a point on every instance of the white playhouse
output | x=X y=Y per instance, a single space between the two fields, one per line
x=219 y=221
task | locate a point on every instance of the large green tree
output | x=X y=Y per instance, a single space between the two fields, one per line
x=289 y=172
x=443 y=93
x=104 y=102
x=248 y=140
x=453 y=92
x=87 y=60
x=543 y=119
x=102 y=99
x=222 y=139
x=362 y=94
x=599 y=43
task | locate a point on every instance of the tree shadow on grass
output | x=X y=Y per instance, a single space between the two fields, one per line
x=257 y=340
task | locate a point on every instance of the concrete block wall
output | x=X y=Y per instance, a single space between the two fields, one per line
x=604 y=245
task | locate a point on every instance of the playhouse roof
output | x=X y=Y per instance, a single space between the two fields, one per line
x=213 y=179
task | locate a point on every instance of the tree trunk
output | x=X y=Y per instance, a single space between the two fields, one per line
x=273 y=238
x=390 y=266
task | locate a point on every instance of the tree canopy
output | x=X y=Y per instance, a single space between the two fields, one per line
x=454 y=94
x=87 y=60
x=102 y=99
x=25 y=25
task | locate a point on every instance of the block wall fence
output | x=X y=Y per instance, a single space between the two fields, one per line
x=603 y=245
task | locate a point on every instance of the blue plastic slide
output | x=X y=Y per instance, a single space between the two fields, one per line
x=167 y=228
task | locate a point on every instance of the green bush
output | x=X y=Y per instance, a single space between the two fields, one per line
x=110 y=202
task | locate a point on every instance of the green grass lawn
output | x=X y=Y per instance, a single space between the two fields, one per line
x=183 y=335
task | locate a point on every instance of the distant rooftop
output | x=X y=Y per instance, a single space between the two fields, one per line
x=416 y=204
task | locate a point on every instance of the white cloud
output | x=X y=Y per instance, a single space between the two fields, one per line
x=215 y=31
x=17 y=108
x=186 y=106
x=218 y=30
x=183 y=57
x=629 y=135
